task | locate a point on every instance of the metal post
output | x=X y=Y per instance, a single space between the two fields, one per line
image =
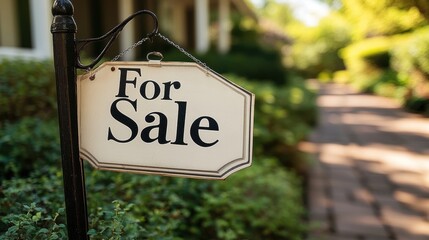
x=63 y=30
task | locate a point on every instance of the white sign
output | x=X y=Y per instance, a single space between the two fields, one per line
x=164 y=118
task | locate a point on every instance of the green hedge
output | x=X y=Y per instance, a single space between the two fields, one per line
x=26 y=89
x=127 y=206
x=369 y=67
x=410 y=59
x=284 y=116
x=27 y=144
x=395 y=66
x=246 y=60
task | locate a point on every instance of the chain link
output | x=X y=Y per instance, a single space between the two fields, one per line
x=121 y=54
x=199 y=62
x=136 y=44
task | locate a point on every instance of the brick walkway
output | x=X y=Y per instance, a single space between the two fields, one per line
x=371 y=173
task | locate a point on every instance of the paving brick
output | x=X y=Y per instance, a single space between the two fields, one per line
x=405 y=178
x=320 y=226
x=375 y=238
x=318 y=202
x=377 y=182
x=412 y=201
x=355 y=219
x=334 y=154
x=362 y=195
x=332 y=237
x=372 y=173
x=405 y=223
x=346 y=173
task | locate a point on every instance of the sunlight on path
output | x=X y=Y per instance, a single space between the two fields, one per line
x=370 y=177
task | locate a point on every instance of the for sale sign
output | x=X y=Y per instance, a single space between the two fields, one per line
x=164 y=118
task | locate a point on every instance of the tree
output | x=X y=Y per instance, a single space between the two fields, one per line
x=315 y=49
x=382 y=17
x=280 y=13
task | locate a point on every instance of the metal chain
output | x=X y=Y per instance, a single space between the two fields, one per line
x=184 y=52
x=136 y=44
x=121 y=54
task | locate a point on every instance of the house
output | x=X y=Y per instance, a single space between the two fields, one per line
x=193 y=24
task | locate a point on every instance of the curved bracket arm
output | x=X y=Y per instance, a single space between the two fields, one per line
x=113 y=34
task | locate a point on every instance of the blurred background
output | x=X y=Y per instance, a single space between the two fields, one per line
x=281 y=50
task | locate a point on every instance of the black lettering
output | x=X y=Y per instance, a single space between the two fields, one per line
x=123 y=80
x=124 y=119
x=167 y=87
x=162 y=128
x=180 y=129
x=156 y=90
x=196 y=126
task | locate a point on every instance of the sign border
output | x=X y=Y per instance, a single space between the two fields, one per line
x=221 y=173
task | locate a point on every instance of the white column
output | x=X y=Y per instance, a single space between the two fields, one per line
x=224 y=38
x=41 y=20
x=179 y=21
x=202 y=42
x=126 y=37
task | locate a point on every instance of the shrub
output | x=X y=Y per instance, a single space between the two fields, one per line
x=27 y=143
x=284 y=116
x=196 y=209
x=412 y=52
x=396 y=66
x=263 y=202
x=369 y=67
x=34 y=224
x=159 y=207
x=42 y=190
x=315 y=49
x=31 y=196
x=341 y=76
x=257 y=65
x=367 y=56
x=27 y=88
x=411 y=59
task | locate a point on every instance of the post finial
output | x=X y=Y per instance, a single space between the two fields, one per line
x=63 y=21
x=62 y=7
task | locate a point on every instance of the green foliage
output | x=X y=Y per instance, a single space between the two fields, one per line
x=368 y=66
x=410 y=58
x=239 y=210
x=42 y=191
x=279 y=12
x=27 y=88
x=248 y=60
x=27 y=142
x=382 y=17
x=283 y=117
x=114 y=224
x=128 y=206
x=418 y=105
x=161 y=205
x=34 y=224
x=315 y=49
x=152 y=207
x=368 y=55
x=413 y=52
x=43 y=187
x=248 y=57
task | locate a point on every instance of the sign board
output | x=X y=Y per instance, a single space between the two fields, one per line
x=164 y=118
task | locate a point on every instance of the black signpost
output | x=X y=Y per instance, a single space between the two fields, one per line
x=66 y=61
x=63 y=30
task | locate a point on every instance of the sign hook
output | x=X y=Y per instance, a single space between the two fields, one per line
x=113 y=34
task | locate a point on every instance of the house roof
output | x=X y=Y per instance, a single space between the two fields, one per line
x=246 y=8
